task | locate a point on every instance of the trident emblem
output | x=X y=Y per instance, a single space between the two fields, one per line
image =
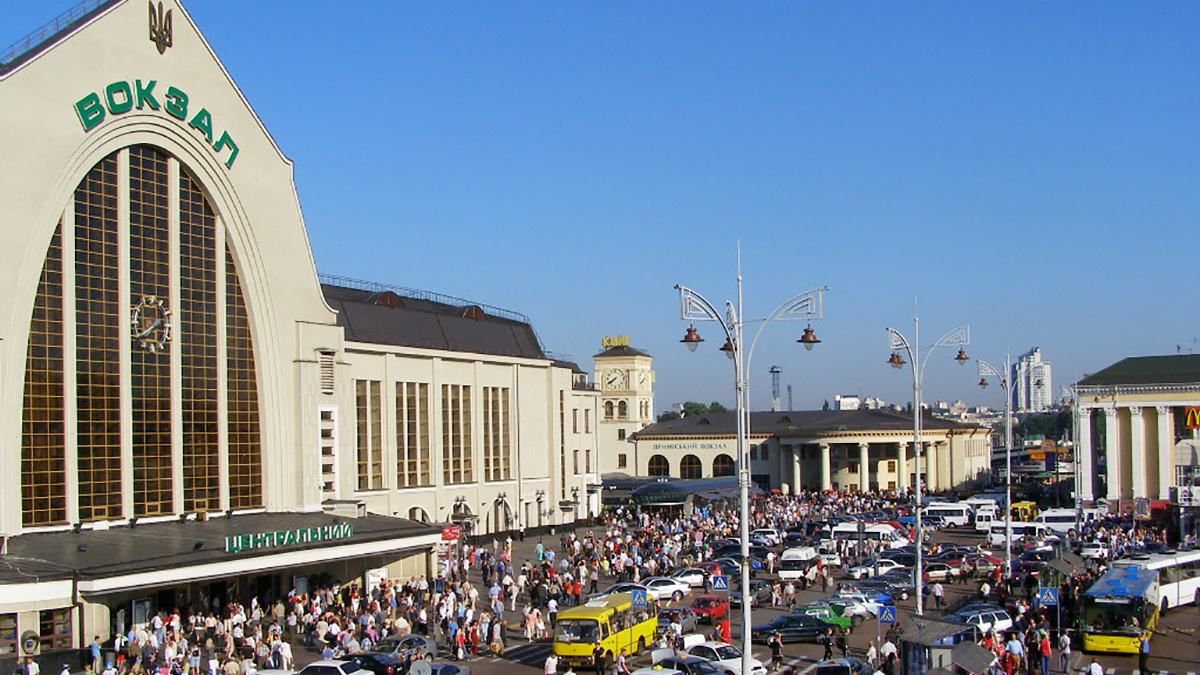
x=160 y=27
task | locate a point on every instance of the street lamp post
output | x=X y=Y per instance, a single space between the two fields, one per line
x=959 y=337
x=987 y=370
x=806 y=306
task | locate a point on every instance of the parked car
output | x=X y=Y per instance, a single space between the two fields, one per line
x=684 y=616
x=872 y=567
x=938 y=571
x=378 y=663
x=726 y=658
x=830 y=557
x=1094 y=550
x=449 y=669
x=772 y=536
x=984 y=562
x=825 y=613
x=872 y=600
x=791 y=628
x=625 y=587
x=844 y=666
x=711 y=607
x=417 y=645
x=666 y=587
x=760 y=592
x=330 y=667
x=856 y=611
x=985 y=618
x=680 y=665
x=692 y=576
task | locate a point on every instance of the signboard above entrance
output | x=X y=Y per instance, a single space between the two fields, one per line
x=303 y=535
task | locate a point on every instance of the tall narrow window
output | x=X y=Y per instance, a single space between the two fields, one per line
x=198 y=344
x=150 y=283
x=245 y=450
x=97 y=348
x=496 y=446
x=370 y=435
x=412 y=434
x=43 y=459
x=457 y=449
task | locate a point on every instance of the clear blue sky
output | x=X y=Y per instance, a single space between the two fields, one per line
x=1030 y=168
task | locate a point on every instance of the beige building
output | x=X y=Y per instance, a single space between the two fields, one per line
x=625 y=376
x=1133 y=417
x=853 y=450
x=189 y=414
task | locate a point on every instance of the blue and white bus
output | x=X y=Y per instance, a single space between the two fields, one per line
x=1178 y=576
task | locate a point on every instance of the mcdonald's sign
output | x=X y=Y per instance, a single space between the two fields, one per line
x=1191 y=417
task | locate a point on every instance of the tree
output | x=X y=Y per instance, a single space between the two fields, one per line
x=716 y=407
x=668 y=416
x=694 y=409
x=826 y=406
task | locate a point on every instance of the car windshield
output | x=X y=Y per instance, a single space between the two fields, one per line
x=705 y=602
x=727 y=652
x=576 y=630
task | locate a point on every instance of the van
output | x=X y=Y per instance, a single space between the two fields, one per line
x=1020 y=530
x=883 y=533
x=953 y=514
x=1061 y=521
x=984 y=519
x=794 y=561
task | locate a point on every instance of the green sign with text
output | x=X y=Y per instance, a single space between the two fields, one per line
x=277 y=538
x=121 y=97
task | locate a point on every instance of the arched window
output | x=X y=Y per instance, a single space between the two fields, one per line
x=690 y=467
x=161 y=331
x=722 y=465
x=622 y=410
x=608 y=410
x=659 y=466
x=418 y=514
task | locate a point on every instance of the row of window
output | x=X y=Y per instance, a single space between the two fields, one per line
x=412 y=421
x=54 y=631
x=690 y=466
x=620 y=410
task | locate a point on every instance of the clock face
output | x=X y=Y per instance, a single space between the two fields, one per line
x=643 y=377
x=151 y=324
x=615 y=379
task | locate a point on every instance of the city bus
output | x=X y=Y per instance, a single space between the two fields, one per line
x=1119 y=609
x=1178 y=576
x=612 y=622
x=883 y=533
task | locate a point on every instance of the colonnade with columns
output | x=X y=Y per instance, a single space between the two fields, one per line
x=858 y=464
x=1134 y=442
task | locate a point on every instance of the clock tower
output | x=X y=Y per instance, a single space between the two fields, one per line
x=625 y=376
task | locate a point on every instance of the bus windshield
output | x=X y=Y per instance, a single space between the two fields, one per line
x=577 y=630
x=1114 y=615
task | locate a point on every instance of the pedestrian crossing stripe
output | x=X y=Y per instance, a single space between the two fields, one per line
x=720 y=582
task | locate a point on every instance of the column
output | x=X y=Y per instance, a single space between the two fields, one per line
x=796 y=474
x=1112 y=454
x=826 y=479
x=901 y=466
x=1083 y=455
x=931 y=466
x=864 y=467
x=1166 y=452
x=1137 y=448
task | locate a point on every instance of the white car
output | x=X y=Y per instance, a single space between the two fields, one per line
x=849 y=598
x=769 y=535
x=692 y=576
x=986 y=620
x=625 y=587
x=868 y=569
x=830 y=558
x=1094 y=550
x=666 y=587
x=726 y=658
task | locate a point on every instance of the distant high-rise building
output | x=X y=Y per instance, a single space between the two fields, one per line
x=1033 y=390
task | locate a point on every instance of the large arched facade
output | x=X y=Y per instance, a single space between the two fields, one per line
x=140 y=292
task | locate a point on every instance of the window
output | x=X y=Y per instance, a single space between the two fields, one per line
x=658 y=466
x=852 y=467
x=368 y=401
x=8 y=634
x=690 y=467
x=622 y=410
x=325 y=371
x=587 y=460
x=496 y=446
x=43 y=457
x=327 y=426
x=575 y=460
x=198 y=344
x=574 y=420
x=457 y=451
x=620 y=434
x=891 y=466
x=622 y=462
x=754 y=452
x=54 y=627
x=608 y=410
x=412 y=435
x=587 y=421
x=723 y=465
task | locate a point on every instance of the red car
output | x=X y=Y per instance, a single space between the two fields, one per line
x=711 y=608
x=713 y=569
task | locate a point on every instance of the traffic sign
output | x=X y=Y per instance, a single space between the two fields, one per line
x=887 y=614
x=720 y=582
x=639 y=598
x=1048 y=597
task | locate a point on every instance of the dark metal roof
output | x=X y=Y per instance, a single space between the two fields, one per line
x=430 y=325
x=621 y=351
x=27 y=48
x=796 y=422
x=154 y=546
x=971 y=657
x=930 y=632
x=1148 y=370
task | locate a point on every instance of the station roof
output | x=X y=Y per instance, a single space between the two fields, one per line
x=1148 y=370
x=124 y=550
x=796 y=422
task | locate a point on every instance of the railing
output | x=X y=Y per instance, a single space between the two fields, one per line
x=44 y=32
x=585 y=386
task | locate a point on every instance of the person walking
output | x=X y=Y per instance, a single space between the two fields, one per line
x=826 y=641
x=1143 y=653
x=939 y=594
x=776 y=644
x=1064 y=651
x=1044 y=652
